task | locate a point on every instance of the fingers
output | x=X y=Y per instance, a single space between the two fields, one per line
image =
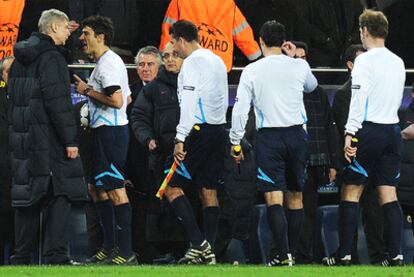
x=152 y=145
x=77 y=78
x=347 y=158
x=179 y=157
x=289 y=48
x=72 y=154
x=73 y=26
x=350 y=152
x=238 y=158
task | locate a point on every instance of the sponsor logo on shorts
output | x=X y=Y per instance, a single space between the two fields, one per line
x=355 y=86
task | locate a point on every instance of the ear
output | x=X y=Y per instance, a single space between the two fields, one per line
x=101 y=37
x=54 y=27
x=365 y=31
x=261 y=41
x=350 y=65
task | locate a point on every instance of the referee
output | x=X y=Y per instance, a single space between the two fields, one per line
x=276 y=84
x=108 y=93
x=203 y=98
x=378 y=79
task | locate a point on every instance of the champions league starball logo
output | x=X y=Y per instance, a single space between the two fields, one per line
x=212 y=38
x=209 y=30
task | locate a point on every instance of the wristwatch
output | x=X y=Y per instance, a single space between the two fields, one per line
x=86 y=91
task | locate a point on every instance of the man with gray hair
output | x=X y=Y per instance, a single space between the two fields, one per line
x=148 y=61
x=46 y=168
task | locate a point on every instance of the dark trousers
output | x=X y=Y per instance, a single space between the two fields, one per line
x=6 y=236
x=304 y=249
x=373 y=221
x=56 y=211
x=94 y=229
x=317 y=175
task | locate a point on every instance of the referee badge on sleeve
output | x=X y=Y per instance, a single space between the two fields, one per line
x=189 y=88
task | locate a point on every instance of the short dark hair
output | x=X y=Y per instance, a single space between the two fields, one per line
x=101 y=25
x=273 y=33
x=184 y=29
x=351 y=52
x=301 y=44
x=375 y=22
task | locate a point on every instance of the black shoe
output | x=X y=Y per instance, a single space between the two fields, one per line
x=278 y=260
x=100 y=257
x=334 y=260
x=199 y=255
x=396 y=261
x=118 y=259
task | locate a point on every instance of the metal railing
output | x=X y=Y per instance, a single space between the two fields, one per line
x=133 y=66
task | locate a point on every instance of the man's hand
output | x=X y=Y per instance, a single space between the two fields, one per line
x=179 y=153
x=349 y=151
x=237 y=155
x=152 y=145
x=80 y=85
x=72 y=152
x=332 y=175
x=289 y=48
x=73 y=26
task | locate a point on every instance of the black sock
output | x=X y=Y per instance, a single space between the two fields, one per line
x=184 y=213
x=295 y=222
x=106 y=217
x=348 y=221
x=123 y=228
x=393 y=223
x=278 y=225
x=210 y=220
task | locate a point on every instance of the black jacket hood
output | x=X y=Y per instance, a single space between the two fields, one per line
x=27 y=51
x=167 y=77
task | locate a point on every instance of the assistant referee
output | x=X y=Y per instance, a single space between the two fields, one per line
x=276 y=84
x=378 y=79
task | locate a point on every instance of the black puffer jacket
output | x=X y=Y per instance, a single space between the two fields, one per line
x=5 y=178
x=156 y=112
x=406 y=185
x=42 y=124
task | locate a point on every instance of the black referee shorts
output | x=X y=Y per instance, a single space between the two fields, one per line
x=282 y=155
x=109 y=152
x=204 y=161
x=379 y=151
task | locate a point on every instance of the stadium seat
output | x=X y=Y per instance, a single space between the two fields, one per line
x=408 y=242
x=235 y=252
x=326 y=240
x=260 y=235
